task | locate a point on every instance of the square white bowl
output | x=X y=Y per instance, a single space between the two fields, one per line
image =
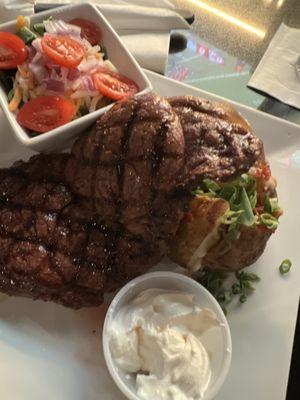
x=61 y=137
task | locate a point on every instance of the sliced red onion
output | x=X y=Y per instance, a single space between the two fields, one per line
x=88 y=83
x=73 y=74
x=38 y=58
x=77 y=83
x=31 y=52
x=64 y=73
x=86 y=66
x=37 y=44
x=59 y=27
x=39 y=71
x=55 y=85
x=84 y=93
x=51 y=66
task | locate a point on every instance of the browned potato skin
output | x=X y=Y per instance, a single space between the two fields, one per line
x=244 y=252
x=206 y=213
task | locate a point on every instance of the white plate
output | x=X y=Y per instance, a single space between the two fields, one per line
x=49 y=352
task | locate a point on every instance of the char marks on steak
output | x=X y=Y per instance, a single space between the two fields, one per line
x=74 y=226
x=219 y=144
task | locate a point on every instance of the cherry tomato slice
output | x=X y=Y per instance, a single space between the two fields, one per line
x=13 y=51
x=63 y=50
x=45 y=113
x=113 y=85
x=89 y=30
x=266 y=172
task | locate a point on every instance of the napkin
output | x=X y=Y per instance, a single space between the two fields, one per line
x=143 y=25
x=276 y=74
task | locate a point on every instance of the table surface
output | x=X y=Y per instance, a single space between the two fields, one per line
x=225 y=44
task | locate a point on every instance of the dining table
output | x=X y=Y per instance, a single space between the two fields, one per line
x=225 y=43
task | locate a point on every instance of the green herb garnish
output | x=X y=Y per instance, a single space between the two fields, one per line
x=285 y=266
x=242 y=198
x=211 y=186
x=243 y=298
x=271 y=204
x=269 y=221
x=39 y=28
x=26 y=35
x=217 y=283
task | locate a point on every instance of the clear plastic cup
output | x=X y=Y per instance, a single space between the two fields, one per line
x=217 y=341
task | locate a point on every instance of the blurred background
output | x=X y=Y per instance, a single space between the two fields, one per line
x=225 y=44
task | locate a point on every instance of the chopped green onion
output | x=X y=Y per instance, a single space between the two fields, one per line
x=236 y=288
x=26 y=35
x=211 y=185
x=200 y=192
x=285 y=266
x=247 y=181
x=243 y=298
x=247 y=218
x=253 y=199
x=253 y=277
x=39 y=28
x=271 y=204
x=232 y=216
x=269 y=221
x=247 y=285
x=227 y=192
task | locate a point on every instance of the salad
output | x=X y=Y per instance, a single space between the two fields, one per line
x=56 y=71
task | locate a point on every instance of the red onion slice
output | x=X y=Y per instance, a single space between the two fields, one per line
x=55 y=85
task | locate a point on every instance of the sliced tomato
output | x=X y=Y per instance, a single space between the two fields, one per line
x=113 y=85
x=63 y=50
x=266 y=172
x=13 y=51
x=89 y=30
x=263 y=172
x=45 y=113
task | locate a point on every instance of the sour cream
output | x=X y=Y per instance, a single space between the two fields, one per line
x=157 y=336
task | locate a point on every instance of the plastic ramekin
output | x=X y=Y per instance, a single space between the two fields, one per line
x=216 y=340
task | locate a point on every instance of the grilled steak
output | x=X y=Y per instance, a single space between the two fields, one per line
x=74 y=226
x=218 y=143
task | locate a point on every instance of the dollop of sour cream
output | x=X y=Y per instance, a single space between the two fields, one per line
x=158 y=336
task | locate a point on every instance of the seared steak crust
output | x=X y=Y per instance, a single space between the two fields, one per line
x=74 y=226
x=218 y=143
